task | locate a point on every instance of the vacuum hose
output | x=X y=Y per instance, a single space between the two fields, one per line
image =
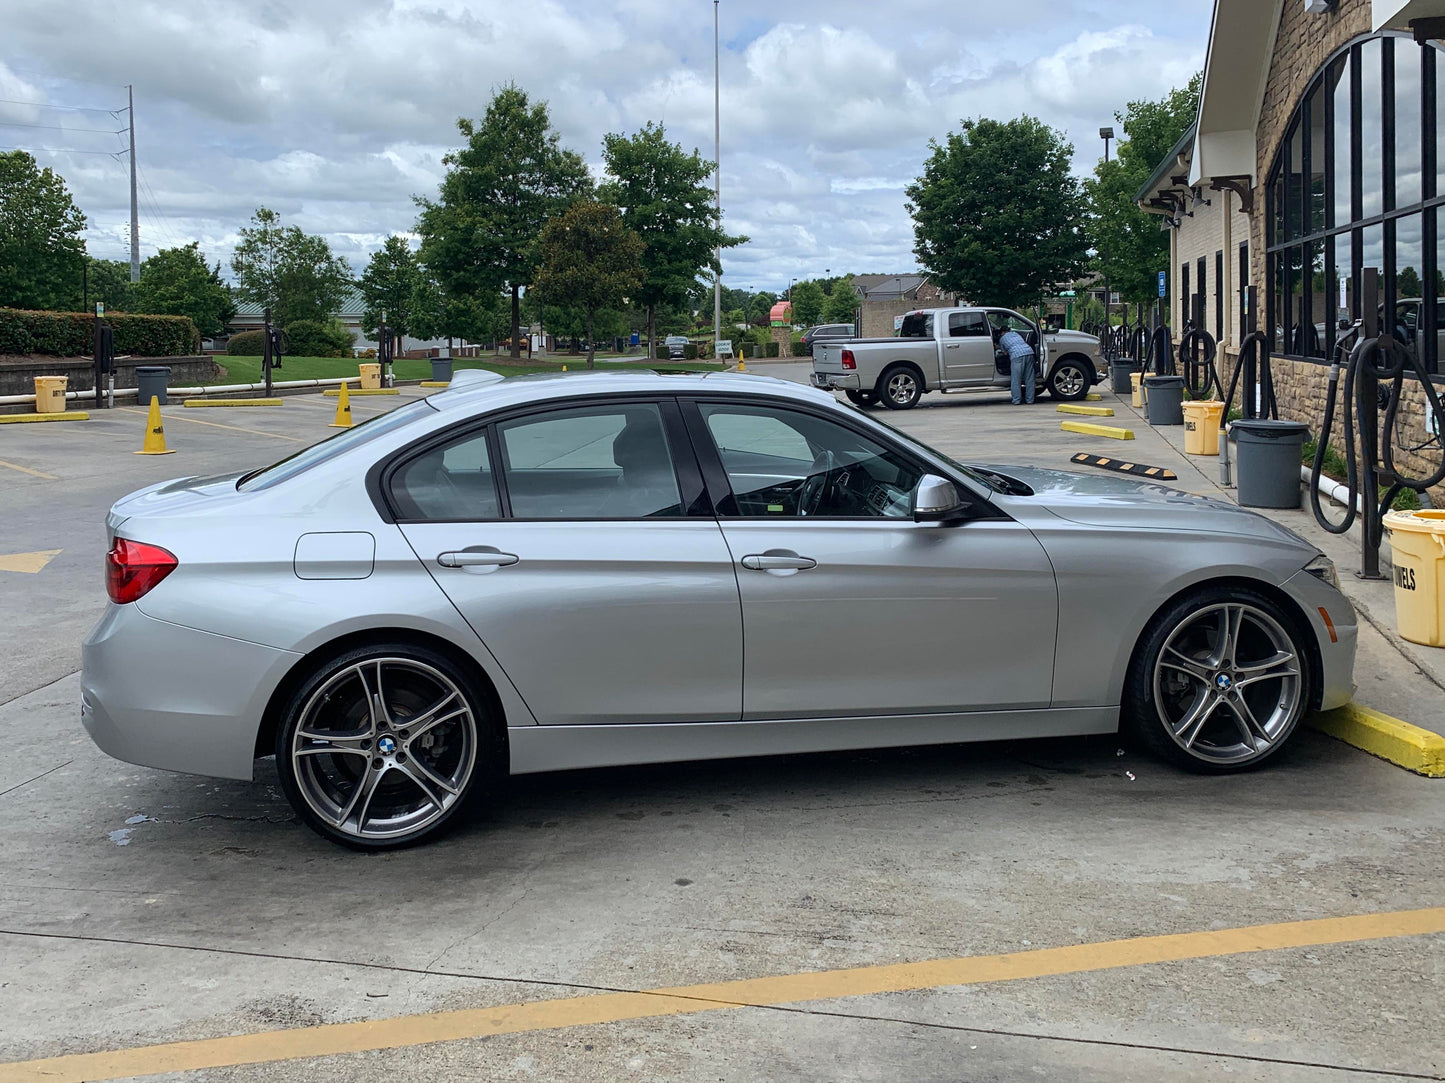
x=1197 y=351
x=1257 y=394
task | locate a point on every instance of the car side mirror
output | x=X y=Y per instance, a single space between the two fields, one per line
x=936 y=500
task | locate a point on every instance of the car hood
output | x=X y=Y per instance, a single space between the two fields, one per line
x=1072 y=338
x=169 y=497
x=1113 y=500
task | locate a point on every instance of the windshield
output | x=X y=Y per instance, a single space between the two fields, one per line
x=326 y=450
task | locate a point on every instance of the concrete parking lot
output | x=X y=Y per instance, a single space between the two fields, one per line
x=153 y=923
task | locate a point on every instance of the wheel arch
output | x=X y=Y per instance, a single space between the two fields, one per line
x=1074 y=355
x=906 y=363
x=306 y=665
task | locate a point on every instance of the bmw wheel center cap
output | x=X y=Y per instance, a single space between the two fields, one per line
x=1223 y=682
x=386 y=746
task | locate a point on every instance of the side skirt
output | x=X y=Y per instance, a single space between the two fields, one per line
x=565 y=748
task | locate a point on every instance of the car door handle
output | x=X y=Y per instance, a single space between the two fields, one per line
x=778 y=562
x=481 y=556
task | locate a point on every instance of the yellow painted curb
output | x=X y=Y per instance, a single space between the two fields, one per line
x=1093 y=396
x=333 y=392
x=1088 y=411
x=1409 y=746
x=1097 y=430
x=234 y=402
x=436 y=383
x=22 y=419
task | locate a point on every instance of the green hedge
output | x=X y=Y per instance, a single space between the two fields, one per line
x=317 y=338
x=247 y=344
x=72 y=334
x=772 y=348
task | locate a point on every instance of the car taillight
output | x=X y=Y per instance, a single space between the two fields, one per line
x=848 y=362
x=132 y=568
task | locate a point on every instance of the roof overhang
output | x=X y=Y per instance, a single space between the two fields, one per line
x=1241 y=43
x=1399 y=14
x=1166 y=191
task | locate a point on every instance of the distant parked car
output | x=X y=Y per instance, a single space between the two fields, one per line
x=676 y=346
x=826 y=331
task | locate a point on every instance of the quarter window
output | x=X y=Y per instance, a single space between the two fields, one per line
x=451 y=482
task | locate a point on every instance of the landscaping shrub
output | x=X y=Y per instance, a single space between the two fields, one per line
x=247 y=344
x=314 y=338
x=689 y=352
x=772 y=349
x=661 y=353
x=72 y=334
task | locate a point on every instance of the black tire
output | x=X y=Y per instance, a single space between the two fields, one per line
x=1069 y=380
x=900 y=387
x=1175 y=665
x=445 y=769
x=862 y=399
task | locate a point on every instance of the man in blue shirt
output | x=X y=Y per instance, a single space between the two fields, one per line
x=1020 y=364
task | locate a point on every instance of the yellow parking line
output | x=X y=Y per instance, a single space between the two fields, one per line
x=27 y=470
x=219 y=425
x=413 y=1030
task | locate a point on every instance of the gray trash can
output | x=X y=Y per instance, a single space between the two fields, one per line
x=1165 y=399
x=441 y=368
x=150 y=383
x=1267 y=461
x=1119 y=373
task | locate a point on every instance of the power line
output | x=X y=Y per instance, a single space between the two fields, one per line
x=60 y=128
x=67 y=150
x=63 y=108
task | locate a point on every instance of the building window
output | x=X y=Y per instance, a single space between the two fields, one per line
x=1358 y=183
x=1243 y=281
x=1219 y=296
x=1184 y=294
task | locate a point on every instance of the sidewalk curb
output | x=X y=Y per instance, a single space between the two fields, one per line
x=1402 y=744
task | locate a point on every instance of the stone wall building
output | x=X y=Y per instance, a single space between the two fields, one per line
x=1315 y=155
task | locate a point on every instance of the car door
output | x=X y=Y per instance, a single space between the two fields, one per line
x=968 y=350
x=576 y=542
x=850 y=608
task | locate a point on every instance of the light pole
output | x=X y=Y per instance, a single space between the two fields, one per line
x=1106 y=134
x=717 y=181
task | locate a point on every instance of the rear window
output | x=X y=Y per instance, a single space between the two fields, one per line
x=917 y=325
x=326 y=450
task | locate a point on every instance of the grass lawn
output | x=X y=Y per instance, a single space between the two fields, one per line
x=247 y=370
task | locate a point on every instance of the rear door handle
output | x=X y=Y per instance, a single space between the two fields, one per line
x=479 y=556
x=778 y=562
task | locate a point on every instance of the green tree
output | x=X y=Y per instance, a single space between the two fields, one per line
x=997 y=215
x=842 y=303
x=590 y=261
x=108 y=281
x=665 y=199
x=479 y=236
x=293 y=273
x=808 y=299
x=1131 y=248
x=177 y=282
x=1408 y=284
x=759 y=306
x=41 y=249
x=392 y=287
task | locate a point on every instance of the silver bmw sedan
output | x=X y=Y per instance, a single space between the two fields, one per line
x=553 y=572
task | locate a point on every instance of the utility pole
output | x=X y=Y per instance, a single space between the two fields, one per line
x=717 y=180
x=1107 y=134
x=134 y=205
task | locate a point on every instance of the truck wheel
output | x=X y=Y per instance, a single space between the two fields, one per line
x=1069 y=380
x=899 y=388
x=862 y=399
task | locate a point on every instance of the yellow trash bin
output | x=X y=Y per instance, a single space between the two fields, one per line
x=1417 y=542
x=370 y=376
x=1136 y=379
x=50 y=394
x=1201 y=426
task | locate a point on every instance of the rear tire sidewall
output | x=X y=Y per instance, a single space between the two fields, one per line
x=485 y=778
x=862 y=399
x=906 y=403
x=1139 y=716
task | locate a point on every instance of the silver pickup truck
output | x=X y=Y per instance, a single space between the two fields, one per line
x=952 y=349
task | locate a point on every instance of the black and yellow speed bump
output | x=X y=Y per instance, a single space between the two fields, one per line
x=1123 y=466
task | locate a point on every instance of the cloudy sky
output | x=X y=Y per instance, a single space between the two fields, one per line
x=337 y=112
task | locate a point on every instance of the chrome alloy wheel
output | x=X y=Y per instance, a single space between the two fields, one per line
x=1068 y=381
x=902 y=387
x=384 y=748
x=1228 y=683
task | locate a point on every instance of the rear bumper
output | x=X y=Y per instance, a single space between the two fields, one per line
x=837 y=380
x=160 y=695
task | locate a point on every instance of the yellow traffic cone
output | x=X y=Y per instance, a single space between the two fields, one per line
x=741 y=366
x=155 y=441
x=564 y=368
x=343 y=410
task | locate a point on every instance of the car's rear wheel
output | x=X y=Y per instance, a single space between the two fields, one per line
x=1219 y=682
x=899 y=388
x=385 y=745
x=1069 y=380
x=864 y=399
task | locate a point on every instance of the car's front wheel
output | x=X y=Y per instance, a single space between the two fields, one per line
x=899 y=388
x=385 y=745
x=1069 y=381
x=1219 y=682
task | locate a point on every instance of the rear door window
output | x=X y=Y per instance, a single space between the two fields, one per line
x=967 y=325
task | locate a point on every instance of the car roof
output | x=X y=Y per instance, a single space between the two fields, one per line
x=539 y=387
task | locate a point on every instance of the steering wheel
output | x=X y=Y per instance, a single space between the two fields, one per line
x=810 y=495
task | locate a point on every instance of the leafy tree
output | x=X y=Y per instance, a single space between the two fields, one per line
x=479 y=236
x=1131 y=248
x=997 y=214
x=177 y=282
x=437 y=314
x=108 y=281
x=760 y=306
x=294 y=273
x=665 y=199
x=1408 y=284
x=590 y=261
x=842 y=303
x=40 y=244
x=391 y=286
x=808 y=300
